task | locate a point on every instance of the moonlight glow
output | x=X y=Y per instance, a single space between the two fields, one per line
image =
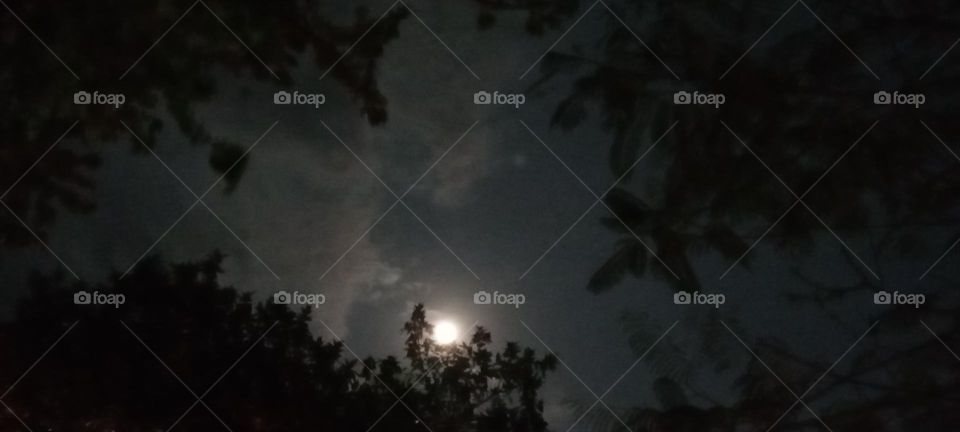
x=445 y=332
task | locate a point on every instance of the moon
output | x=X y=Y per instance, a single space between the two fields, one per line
x=445 y=333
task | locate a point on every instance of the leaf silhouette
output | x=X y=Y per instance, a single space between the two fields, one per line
x=630 y=256
x=632 y=210
x=669 y=393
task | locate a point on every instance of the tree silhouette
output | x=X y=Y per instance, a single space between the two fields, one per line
x=118 y=47
x=799 y=98
x=101 y=377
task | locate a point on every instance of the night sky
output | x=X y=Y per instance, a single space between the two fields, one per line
x=495 y=202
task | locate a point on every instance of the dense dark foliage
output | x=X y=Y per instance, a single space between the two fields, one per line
x=122 y=47
x=799 y=79
x=100 y=377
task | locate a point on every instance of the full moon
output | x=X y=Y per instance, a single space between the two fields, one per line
x=445 y=332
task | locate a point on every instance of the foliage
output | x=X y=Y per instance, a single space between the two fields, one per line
x=122 y=47
x=799 y=98
x=101 y=378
